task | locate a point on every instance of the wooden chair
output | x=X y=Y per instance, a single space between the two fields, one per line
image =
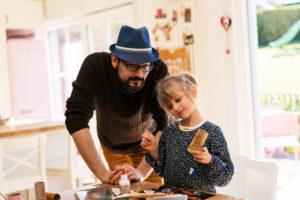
x=63 y=157
x=22 y=162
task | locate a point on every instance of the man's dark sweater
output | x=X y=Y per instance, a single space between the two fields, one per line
x=122 y=116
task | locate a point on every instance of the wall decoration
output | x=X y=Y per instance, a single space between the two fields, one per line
x=226 y=23
x=173 y=35
x=177 y=60
x=166 y=29
x=160 y=14
x=188 y=39
x=174 y=16
x=173 y=26
x=187 y=15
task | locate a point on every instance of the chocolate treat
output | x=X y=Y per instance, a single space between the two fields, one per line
x=198 y=140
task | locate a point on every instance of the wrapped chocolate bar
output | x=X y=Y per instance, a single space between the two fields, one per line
x=198 y=140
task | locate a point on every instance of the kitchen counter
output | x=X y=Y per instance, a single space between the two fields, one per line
x=34 y=127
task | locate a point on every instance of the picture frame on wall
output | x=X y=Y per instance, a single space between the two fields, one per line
x=177 y=60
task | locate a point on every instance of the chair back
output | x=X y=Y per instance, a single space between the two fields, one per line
x=253 y=179
x=22 y=162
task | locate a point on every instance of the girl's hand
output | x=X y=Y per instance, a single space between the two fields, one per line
x=202 y=156
x=148 y=142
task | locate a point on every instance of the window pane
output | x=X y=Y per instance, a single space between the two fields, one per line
x=66 y=53
x=101 y=34
x=99 y=37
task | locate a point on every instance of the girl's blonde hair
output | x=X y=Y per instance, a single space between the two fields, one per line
x=168 y=87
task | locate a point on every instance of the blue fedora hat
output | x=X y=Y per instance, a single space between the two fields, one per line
x=134 y=45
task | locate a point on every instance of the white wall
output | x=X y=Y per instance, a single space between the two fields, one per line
x=225 y=79
x=225 y=89
x=58 y=9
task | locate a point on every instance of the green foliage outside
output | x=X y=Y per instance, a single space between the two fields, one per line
x=278 y=75
x=272 y=24
x=279 y=68
x=289 y=102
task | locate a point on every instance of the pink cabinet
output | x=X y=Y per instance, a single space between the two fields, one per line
x=29 y=83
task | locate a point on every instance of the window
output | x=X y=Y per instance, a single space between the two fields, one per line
x=102 y=29
x=275 y=50
x=66 y=54
x=69 y=44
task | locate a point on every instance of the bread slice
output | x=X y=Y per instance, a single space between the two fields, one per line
x=198 y=140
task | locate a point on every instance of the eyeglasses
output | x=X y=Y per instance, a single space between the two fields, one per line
x=135 y=67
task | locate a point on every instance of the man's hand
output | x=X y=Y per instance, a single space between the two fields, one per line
x=133 y=174
x=107 y=176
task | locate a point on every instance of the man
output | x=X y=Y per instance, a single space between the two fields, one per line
x=120 y=87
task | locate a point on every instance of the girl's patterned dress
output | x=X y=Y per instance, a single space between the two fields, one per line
x=178 y=167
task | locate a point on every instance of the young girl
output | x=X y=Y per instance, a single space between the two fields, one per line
x=168 y=155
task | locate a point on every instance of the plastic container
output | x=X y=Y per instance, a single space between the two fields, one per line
x=124 y=183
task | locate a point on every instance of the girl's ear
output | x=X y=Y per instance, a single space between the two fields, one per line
x=194 y=91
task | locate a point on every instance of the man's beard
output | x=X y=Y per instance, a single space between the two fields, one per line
x=127 y=86
x=134 y=88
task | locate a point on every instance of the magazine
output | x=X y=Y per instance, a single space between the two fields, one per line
x=102 y=192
